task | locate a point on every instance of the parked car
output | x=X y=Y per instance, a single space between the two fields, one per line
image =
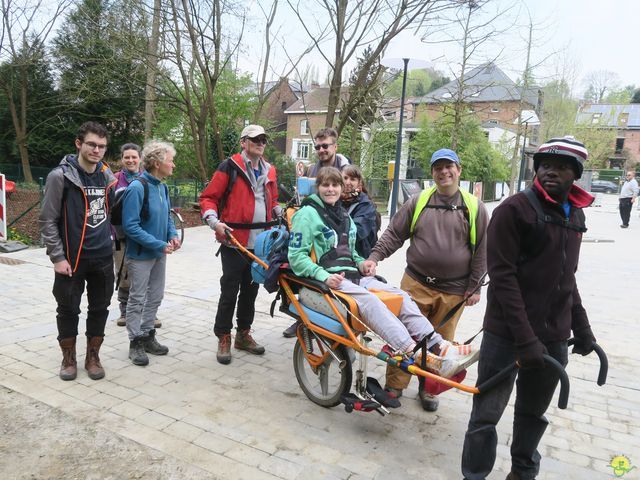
x=604 y=186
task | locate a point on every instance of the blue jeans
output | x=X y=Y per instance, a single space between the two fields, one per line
x=534 y=391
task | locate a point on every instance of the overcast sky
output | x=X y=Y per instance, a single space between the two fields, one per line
x=594 y=35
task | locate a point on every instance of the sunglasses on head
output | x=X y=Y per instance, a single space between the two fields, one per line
x=323 y=146
x=258 y=140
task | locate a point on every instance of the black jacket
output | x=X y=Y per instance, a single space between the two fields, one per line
x=532 y=290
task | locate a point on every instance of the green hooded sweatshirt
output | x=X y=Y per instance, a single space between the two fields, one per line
x=309 y=232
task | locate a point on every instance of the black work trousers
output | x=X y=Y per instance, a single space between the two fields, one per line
x=625 y=210
x=534 y=391
x=236 y=277
x=98 y=275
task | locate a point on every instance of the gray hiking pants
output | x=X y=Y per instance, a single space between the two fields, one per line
x=399 y=332
x=146 y=290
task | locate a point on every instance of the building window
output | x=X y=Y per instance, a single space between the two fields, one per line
x=595 y=119
x=301 y=149
x=495 y=110
x=619 y=145
x=283 y=105
x=304 y=127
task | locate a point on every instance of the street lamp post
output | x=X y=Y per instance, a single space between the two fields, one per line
x=396 y=167
x=523 y=155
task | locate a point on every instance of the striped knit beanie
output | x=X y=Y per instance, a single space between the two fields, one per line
x=567 y=147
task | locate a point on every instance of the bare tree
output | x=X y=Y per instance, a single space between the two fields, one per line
x=472 y=29
x=25 y=30
x=354 y=25
x=152 y=69
x=598 y=83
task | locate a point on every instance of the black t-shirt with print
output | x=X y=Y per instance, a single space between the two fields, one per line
x=97 y=235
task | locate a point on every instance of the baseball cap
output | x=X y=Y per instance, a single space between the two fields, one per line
x=252 y=131
x=444 y=154
x=567 y=147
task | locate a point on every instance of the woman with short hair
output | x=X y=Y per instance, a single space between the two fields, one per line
x=151 y=235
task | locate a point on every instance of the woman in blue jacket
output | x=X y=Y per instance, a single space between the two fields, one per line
x=361 y=209
x=151 y=235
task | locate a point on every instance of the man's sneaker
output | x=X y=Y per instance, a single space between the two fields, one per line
x=291 y=330
x=224 y=349
x=157 y=323
x=428 y=402
x=137 y=355
x=244 y=341
x=122 y=321
x=451 y=358
x=152 y=346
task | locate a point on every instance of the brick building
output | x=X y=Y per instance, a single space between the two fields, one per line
x=625 y=119
x=304 y=118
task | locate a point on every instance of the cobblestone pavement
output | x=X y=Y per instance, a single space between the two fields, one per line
x=250 y=419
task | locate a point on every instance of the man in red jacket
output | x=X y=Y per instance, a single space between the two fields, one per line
x=241 y=197
x=533 y=306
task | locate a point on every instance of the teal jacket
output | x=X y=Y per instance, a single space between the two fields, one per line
x=308 y=231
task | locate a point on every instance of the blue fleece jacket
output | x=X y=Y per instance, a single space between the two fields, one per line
x=147 y=238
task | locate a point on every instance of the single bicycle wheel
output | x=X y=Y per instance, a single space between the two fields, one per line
x=325 y=384
x=179 y=223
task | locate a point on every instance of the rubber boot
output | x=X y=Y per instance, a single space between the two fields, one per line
x=92 y=360
x=69 y=366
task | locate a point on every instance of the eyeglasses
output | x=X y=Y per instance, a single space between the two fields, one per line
x=324 y=146
x=258 y=140
x=93 y=146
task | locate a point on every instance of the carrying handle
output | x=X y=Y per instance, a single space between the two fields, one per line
x=503 y=374
x=604 y=361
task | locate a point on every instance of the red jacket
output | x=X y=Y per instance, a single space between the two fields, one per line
x=240 y=204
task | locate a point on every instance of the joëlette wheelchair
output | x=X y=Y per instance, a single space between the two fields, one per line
x=330 y=334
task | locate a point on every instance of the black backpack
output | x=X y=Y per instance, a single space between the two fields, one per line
x=116 y=210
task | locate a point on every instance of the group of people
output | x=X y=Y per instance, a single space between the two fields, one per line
x=530 y=248
x=76 y=225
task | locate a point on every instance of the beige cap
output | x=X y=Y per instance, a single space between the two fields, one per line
x=252 y=131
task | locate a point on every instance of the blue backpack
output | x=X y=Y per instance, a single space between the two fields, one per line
x=268 y=245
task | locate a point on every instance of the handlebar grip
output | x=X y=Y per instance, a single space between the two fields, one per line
x=564 y=381
x=604 y=364
x=604 y=361
x=503 y=374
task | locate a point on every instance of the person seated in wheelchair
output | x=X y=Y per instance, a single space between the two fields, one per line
x=324 y=226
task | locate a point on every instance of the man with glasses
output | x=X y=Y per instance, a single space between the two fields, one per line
x=326 y=146
x=75 y=227
x=628 y=195
x=242 y=197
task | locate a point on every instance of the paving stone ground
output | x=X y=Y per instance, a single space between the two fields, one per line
x=186 y=416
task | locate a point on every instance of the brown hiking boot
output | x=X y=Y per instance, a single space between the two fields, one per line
x=122 y=321
x=224 y=349
x=69 y=366
x=244 y=341
x=92 y=360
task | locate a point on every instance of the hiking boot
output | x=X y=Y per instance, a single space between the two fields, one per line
x=244 y=341
x=152 y=346
x=92 y=360
x=512 y=476
x=450 y=358
x=69 y=366
x=157 y=323
x=122 y=321
x=428 y=402
x=224 y=349
x=291 y=330
x=137 y=355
